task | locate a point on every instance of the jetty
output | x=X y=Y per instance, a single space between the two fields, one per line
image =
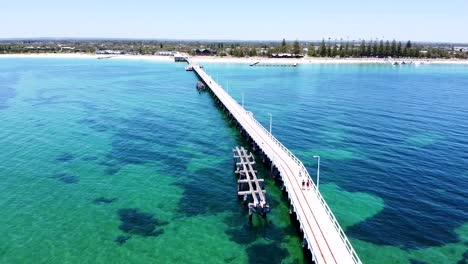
x=249 y=186
x=274 y=64
x=322 y=234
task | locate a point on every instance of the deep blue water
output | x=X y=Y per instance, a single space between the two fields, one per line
x=128 y=157
x=404 y=131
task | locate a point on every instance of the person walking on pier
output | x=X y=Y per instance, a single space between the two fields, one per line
x=308 y=184
x=303 y=183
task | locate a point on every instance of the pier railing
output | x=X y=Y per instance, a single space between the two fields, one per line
x=330 y=214
x=302 y=168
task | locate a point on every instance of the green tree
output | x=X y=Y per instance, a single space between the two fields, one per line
x=408 y=44
x=362 y=48
x=393 y=48
x=346 y=50
x=334 y=51
x=387 y=48
x=369 y=49
x=284 y=46
x=398 y=49
x=323 y=49
x=340 y=51
x=311 y=51
x=296 y=48
x=375 y=49
x=380 y=51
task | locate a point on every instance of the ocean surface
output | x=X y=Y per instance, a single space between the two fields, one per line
x=123 y=161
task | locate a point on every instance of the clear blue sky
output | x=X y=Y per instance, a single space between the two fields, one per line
x=419 y=20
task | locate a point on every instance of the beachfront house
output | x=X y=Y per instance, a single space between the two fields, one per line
x=110 y=52
x=205 y=52
x=178 y=57
x=164 y=53
x=286 y=55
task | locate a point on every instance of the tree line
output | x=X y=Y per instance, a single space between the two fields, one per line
x=343 y=49
x=376 y=48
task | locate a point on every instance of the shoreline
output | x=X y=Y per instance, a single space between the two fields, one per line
x=233 y=60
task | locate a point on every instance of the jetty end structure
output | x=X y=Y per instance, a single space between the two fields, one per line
x=323 y=235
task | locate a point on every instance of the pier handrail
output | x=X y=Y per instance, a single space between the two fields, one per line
x=298 y=162
x=332 y=217
x=330 y=214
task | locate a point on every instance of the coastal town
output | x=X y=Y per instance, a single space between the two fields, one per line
x=238 y=49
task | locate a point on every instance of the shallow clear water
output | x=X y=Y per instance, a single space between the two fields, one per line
x=123 y=161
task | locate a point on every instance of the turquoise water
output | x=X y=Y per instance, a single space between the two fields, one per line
x=115 y=161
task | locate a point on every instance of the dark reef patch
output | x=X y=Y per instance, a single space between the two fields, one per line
x=269 y=253
x=424 y=209
x=464 y=259
x=414 y=261
x=143 y=139
x=121 y=239
x=245 y=233
x=95 y=125
x=365 y=230
x=242 y=234
x=89 y=158
x=64 y=157
x=138 y=223
x=104 y=200
x=67 y=178
x=43 y=99
x=6 y=93
x=199 y=199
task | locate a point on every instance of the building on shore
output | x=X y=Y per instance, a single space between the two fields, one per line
x=461 y=49
x=286 y=55
x=178 y=57
x=110 y=52
x=165 y=53
x=205 y=52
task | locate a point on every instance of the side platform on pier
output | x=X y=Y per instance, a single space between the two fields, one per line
x=249 y=186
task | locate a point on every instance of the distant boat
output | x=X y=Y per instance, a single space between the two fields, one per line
x=107 y=57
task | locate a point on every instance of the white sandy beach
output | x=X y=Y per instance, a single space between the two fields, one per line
x=203 y=59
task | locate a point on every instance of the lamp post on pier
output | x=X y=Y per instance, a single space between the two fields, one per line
x=271 y=120
x=242 y=100
x=318 y=170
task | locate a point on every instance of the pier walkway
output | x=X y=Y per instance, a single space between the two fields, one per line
x=323 y=235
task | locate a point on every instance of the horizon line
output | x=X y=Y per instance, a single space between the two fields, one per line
x=224 y=40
